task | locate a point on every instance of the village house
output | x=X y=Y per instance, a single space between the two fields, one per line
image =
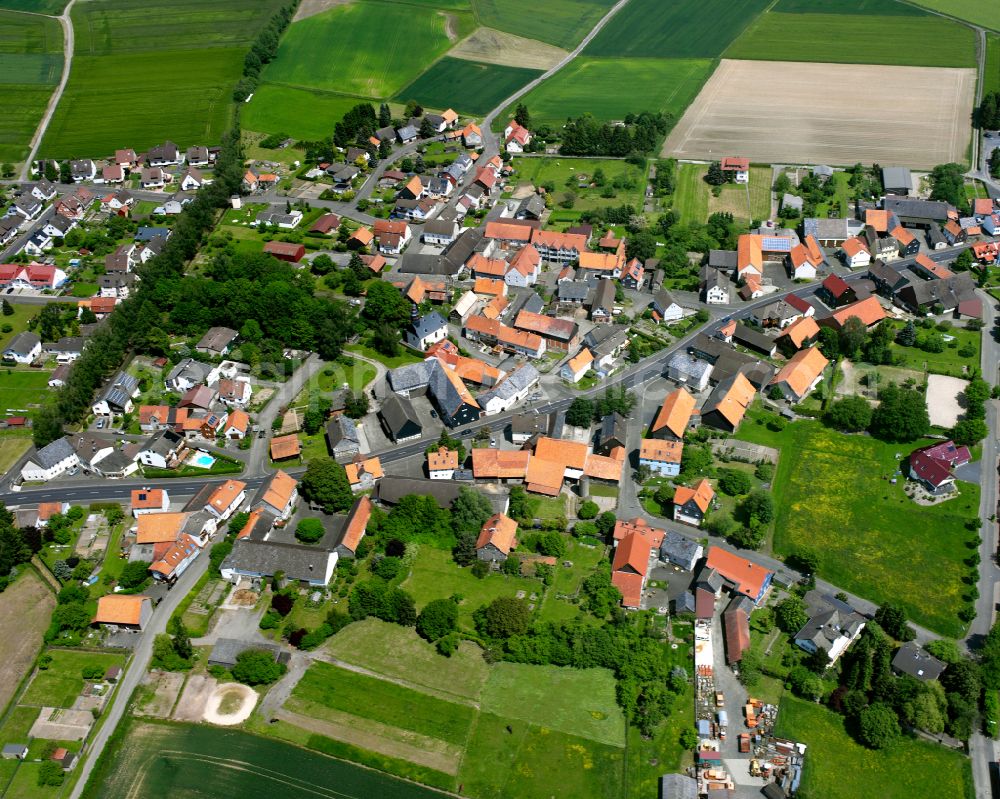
x=117 y=396
x=442 y=463
x=363 y=473
x=124 y=611
x=661 y=456
x=675 y=415
x=24 y=348
x=497 y=539
x=152 y=500
x=803 y=372
x=691 y=504
x=933 y=466
x=52 y=460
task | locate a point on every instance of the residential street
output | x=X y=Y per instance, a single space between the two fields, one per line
x=136 y=669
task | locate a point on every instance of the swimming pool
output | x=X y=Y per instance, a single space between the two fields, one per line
x=202 y=460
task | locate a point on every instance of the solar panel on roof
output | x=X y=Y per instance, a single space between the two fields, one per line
x=775 y=244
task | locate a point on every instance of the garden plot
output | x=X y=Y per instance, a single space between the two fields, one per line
x=815 y=115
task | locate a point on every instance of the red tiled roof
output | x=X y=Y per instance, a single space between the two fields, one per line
x=749 y=578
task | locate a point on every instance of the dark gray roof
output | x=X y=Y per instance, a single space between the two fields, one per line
x=443 y=391
x=949 y=291
x=528 y=301
x=684 y=603
x=391 y=489
x=150 y=233
x=897 y=177
x=532 y=205
x=342 y=428
x=298 y=562
x=515 y=382
x=613 y=428
x=407 y=132
x=663 y=300
x=710 y=578
x=191 y=370
x=217 y=338
x=604 y=295
x=428 y=324
x=263 y=523
x=120 y=390
x=397 y=411
x=573 y=291
x=51 y=454
x=411 y=377
x=685 y=364
x=678 y=786
x=461 y=249
x=419 y=263
x=753 y=339
x=722 y=259
x=678 y=548
x=226 y=650
x=824 y=628
x=881 y=271
x=162 y=442
x=23 y=343
x=916 y=209
x=530 y=423
x=441 y=227
x=912 y=660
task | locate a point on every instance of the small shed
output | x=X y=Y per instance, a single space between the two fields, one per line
x=285 y=251
x=15 y=751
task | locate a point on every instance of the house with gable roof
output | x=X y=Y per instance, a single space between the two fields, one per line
x=691 y=504
x=933 y=466
x=497 y=539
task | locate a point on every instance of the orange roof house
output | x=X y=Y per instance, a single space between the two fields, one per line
x=692 y=503
x=141 y=499
x=222 y=500
x=544 y=476
x=497 y=538
x=629 y=568
x=357 y=523
x=238 y=423
x=749 y=256
x=488 y=287
x=507 y=231
x=481 y=266
x=124 y=610
x=284 y=447
x=442 y=459
x=572 y=454
x=357 y=470
x=500 y=464
x=674 y=415
x=743 y=576
x=604 y=467
x=878 y=219
x=868 y=310
x=640 y=526
x=154 y=528
x=931 y=269
x=661 y=455
x=362 y=236
x=801 y=374
x=728 y=403
x=801 y=332
x=46 y=510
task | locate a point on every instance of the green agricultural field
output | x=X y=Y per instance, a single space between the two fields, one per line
x=30 y=65
x=832 y=494
x=326 y=686
x=560 y=22
x=307 y=114
x=880 y=8
x=380 y=47
x=62 y=681
x=537 y=762
x=23 y=390
x=991 y=72
x=191 y=51
x=681 y=29
x=466 y=86
x=611 y=88
x=560 y=171
x=857 y=39
x=694 y=200
x=435 y=576
x=399 y=653
x=903 y=771
x=35 y=6
x=576 y=701
x=12 y=447
x=202 y=762
x=970 y=10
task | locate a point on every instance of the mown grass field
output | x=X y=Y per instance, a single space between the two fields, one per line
x=948 y=362
x=62 y=681
x=694 y=200
x=186 y=56
x=970 y=10
x=24 y=615
x=856 y=39
x=681 y=29
x=560 y=22
x=991 y=71
x=12 y=447
x=910 y=768
x=611 y=88
x=435 y=576
x=381 y=701
x=466 y=86
x=574 y=701
x=308 y=114
x=23 y=390
x=202 y=762
x=832 y=494
x=380 y=48
x=560 y=171
x=399 y=653
x=30 y=65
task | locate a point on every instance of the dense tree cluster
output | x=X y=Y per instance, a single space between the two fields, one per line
x=325 y=484
x=639 y=134
x=262 y=51
x=971 y=428
x=989 y=111
x=948 y=184
x=901 y=415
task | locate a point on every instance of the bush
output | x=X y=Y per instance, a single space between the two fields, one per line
x=309 y=531
x=438 y=618
x=878 y=726
x=257 y=667
x=387 y=568
x=588 y=510
x=734 y=482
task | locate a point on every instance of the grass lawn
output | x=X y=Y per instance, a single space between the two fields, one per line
x=680 y=29
x=650 y=758
x=856 y=39
x=567 y=582
x=399 y=653
x=385 y=702
x=23 y=390
x=560 y=22
x=991 y=73
x=380 y=47
x=948 y=362
x=467 y=86
x=357 y=374
x=693 y=198
x=191 y=50
x=599 y=490
x=13 y=446
x=611 y=88
x=904 y=771
x=435 y=576
x=405 y=355
x=831 y=495
x=30 y=65
x=537 y=762
x=54 y=7
x=576 y=701
x=560 y=171
x=18 y=321
x=62 y=681
x=547 y=507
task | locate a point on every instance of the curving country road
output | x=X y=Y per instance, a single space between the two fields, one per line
x=50 y=109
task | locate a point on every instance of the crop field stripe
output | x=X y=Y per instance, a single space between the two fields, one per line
x=974 y=11
x=562 y=23
x=845 y=39
x=991 y=70
x=467 y=86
